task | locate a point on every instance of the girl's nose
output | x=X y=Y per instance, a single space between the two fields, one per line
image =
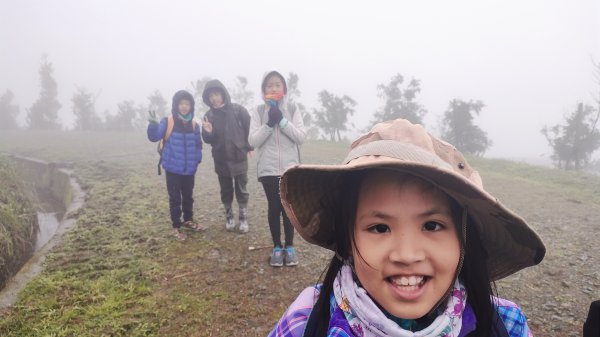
x=406 y=249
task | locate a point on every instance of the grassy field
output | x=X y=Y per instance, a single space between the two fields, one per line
x=17 y=221
x=119 y=272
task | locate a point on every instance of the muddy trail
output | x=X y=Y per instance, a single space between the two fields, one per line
x=119 y=272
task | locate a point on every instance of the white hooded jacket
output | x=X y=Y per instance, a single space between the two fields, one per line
x=277 y=147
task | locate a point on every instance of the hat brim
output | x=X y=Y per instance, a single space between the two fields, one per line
x=510 y=244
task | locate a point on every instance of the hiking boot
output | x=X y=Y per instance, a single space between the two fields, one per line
x=243 y=220
x=230 y=222
x=290 y=257
x=276 y=257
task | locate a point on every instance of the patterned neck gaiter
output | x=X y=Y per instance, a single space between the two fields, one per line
x=363 y=318
x=185 y=118
x=272 y=99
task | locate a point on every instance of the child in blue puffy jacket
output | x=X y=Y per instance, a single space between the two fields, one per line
x=180 y=156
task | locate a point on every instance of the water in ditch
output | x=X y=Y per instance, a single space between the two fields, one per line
x=48 y=224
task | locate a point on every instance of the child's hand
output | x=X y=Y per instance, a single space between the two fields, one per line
x=206 y=125
x=152 y=117
x=275 y=116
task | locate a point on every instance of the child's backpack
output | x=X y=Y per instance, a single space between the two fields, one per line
x=161 y=144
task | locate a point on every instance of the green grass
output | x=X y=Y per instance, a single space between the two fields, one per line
x=571 y=184
x=18 y=222
x=101 y=280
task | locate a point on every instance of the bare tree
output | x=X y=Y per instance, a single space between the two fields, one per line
x=458 y=128
x=158 y=103
x=596 y=97
x=124 y=119
x=399 y=102
x=333 y=116
x=574 y=141
x=8 y=111
x=43 y=114
x=293 y=94
x=84 y=110
x=198 y=89
x=240 y=94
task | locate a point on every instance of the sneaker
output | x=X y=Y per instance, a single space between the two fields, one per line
x=196 y=227
x=276 y=257
x=290 y=257
x=230 y=222
x=243 y=220
x=179 y=234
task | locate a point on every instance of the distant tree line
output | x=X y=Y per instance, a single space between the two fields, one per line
x=572 y=142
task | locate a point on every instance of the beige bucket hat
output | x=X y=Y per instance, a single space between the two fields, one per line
x=510 y=243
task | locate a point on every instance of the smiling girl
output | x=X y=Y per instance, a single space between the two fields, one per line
x=417 y=241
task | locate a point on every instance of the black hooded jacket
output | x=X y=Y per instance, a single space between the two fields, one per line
x=229 y=137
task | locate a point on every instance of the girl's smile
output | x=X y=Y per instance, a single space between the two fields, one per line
x=408 y=288
x=406 y=243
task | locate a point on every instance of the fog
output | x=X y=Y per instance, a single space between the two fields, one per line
x=530 y=62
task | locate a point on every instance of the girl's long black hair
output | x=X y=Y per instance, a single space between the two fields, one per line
x=474 y=273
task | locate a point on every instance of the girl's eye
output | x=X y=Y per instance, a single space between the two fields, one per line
x=432 y=226
x=379 y=228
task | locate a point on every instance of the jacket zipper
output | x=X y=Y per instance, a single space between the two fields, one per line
x=184 y=153
x=278 y=152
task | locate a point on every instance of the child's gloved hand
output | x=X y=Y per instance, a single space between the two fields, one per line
x=272 y=99
x=275 y=116
x=152 y=117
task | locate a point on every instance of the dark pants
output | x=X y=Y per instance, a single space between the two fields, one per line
x=275 y=211
x=181 y=197
x=591 y=327
x=237 y=184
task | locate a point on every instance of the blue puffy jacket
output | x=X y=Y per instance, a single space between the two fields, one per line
x=183 y=150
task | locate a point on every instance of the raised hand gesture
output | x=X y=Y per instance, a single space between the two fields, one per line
x=206 y=125
x=152 y=117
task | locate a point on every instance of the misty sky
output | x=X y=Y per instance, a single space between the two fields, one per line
x=528 y=61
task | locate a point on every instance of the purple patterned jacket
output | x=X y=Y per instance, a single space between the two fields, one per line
x=293 y=321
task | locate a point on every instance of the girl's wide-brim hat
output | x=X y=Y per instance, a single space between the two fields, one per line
x=309 y=192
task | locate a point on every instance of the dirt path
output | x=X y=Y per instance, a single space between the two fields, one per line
x=556 y=294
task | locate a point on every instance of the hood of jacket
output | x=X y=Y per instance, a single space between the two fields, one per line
x=215 y=85
x=182 y=94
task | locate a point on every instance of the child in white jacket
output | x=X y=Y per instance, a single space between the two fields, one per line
x=276 y=132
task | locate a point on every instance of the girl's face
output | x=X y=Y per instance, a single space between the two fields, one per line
x=408 y=242
x=274 y=85
x=184 y=107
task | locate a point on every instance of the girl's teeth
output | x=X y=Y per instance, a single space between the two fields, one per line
x=408 y=281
